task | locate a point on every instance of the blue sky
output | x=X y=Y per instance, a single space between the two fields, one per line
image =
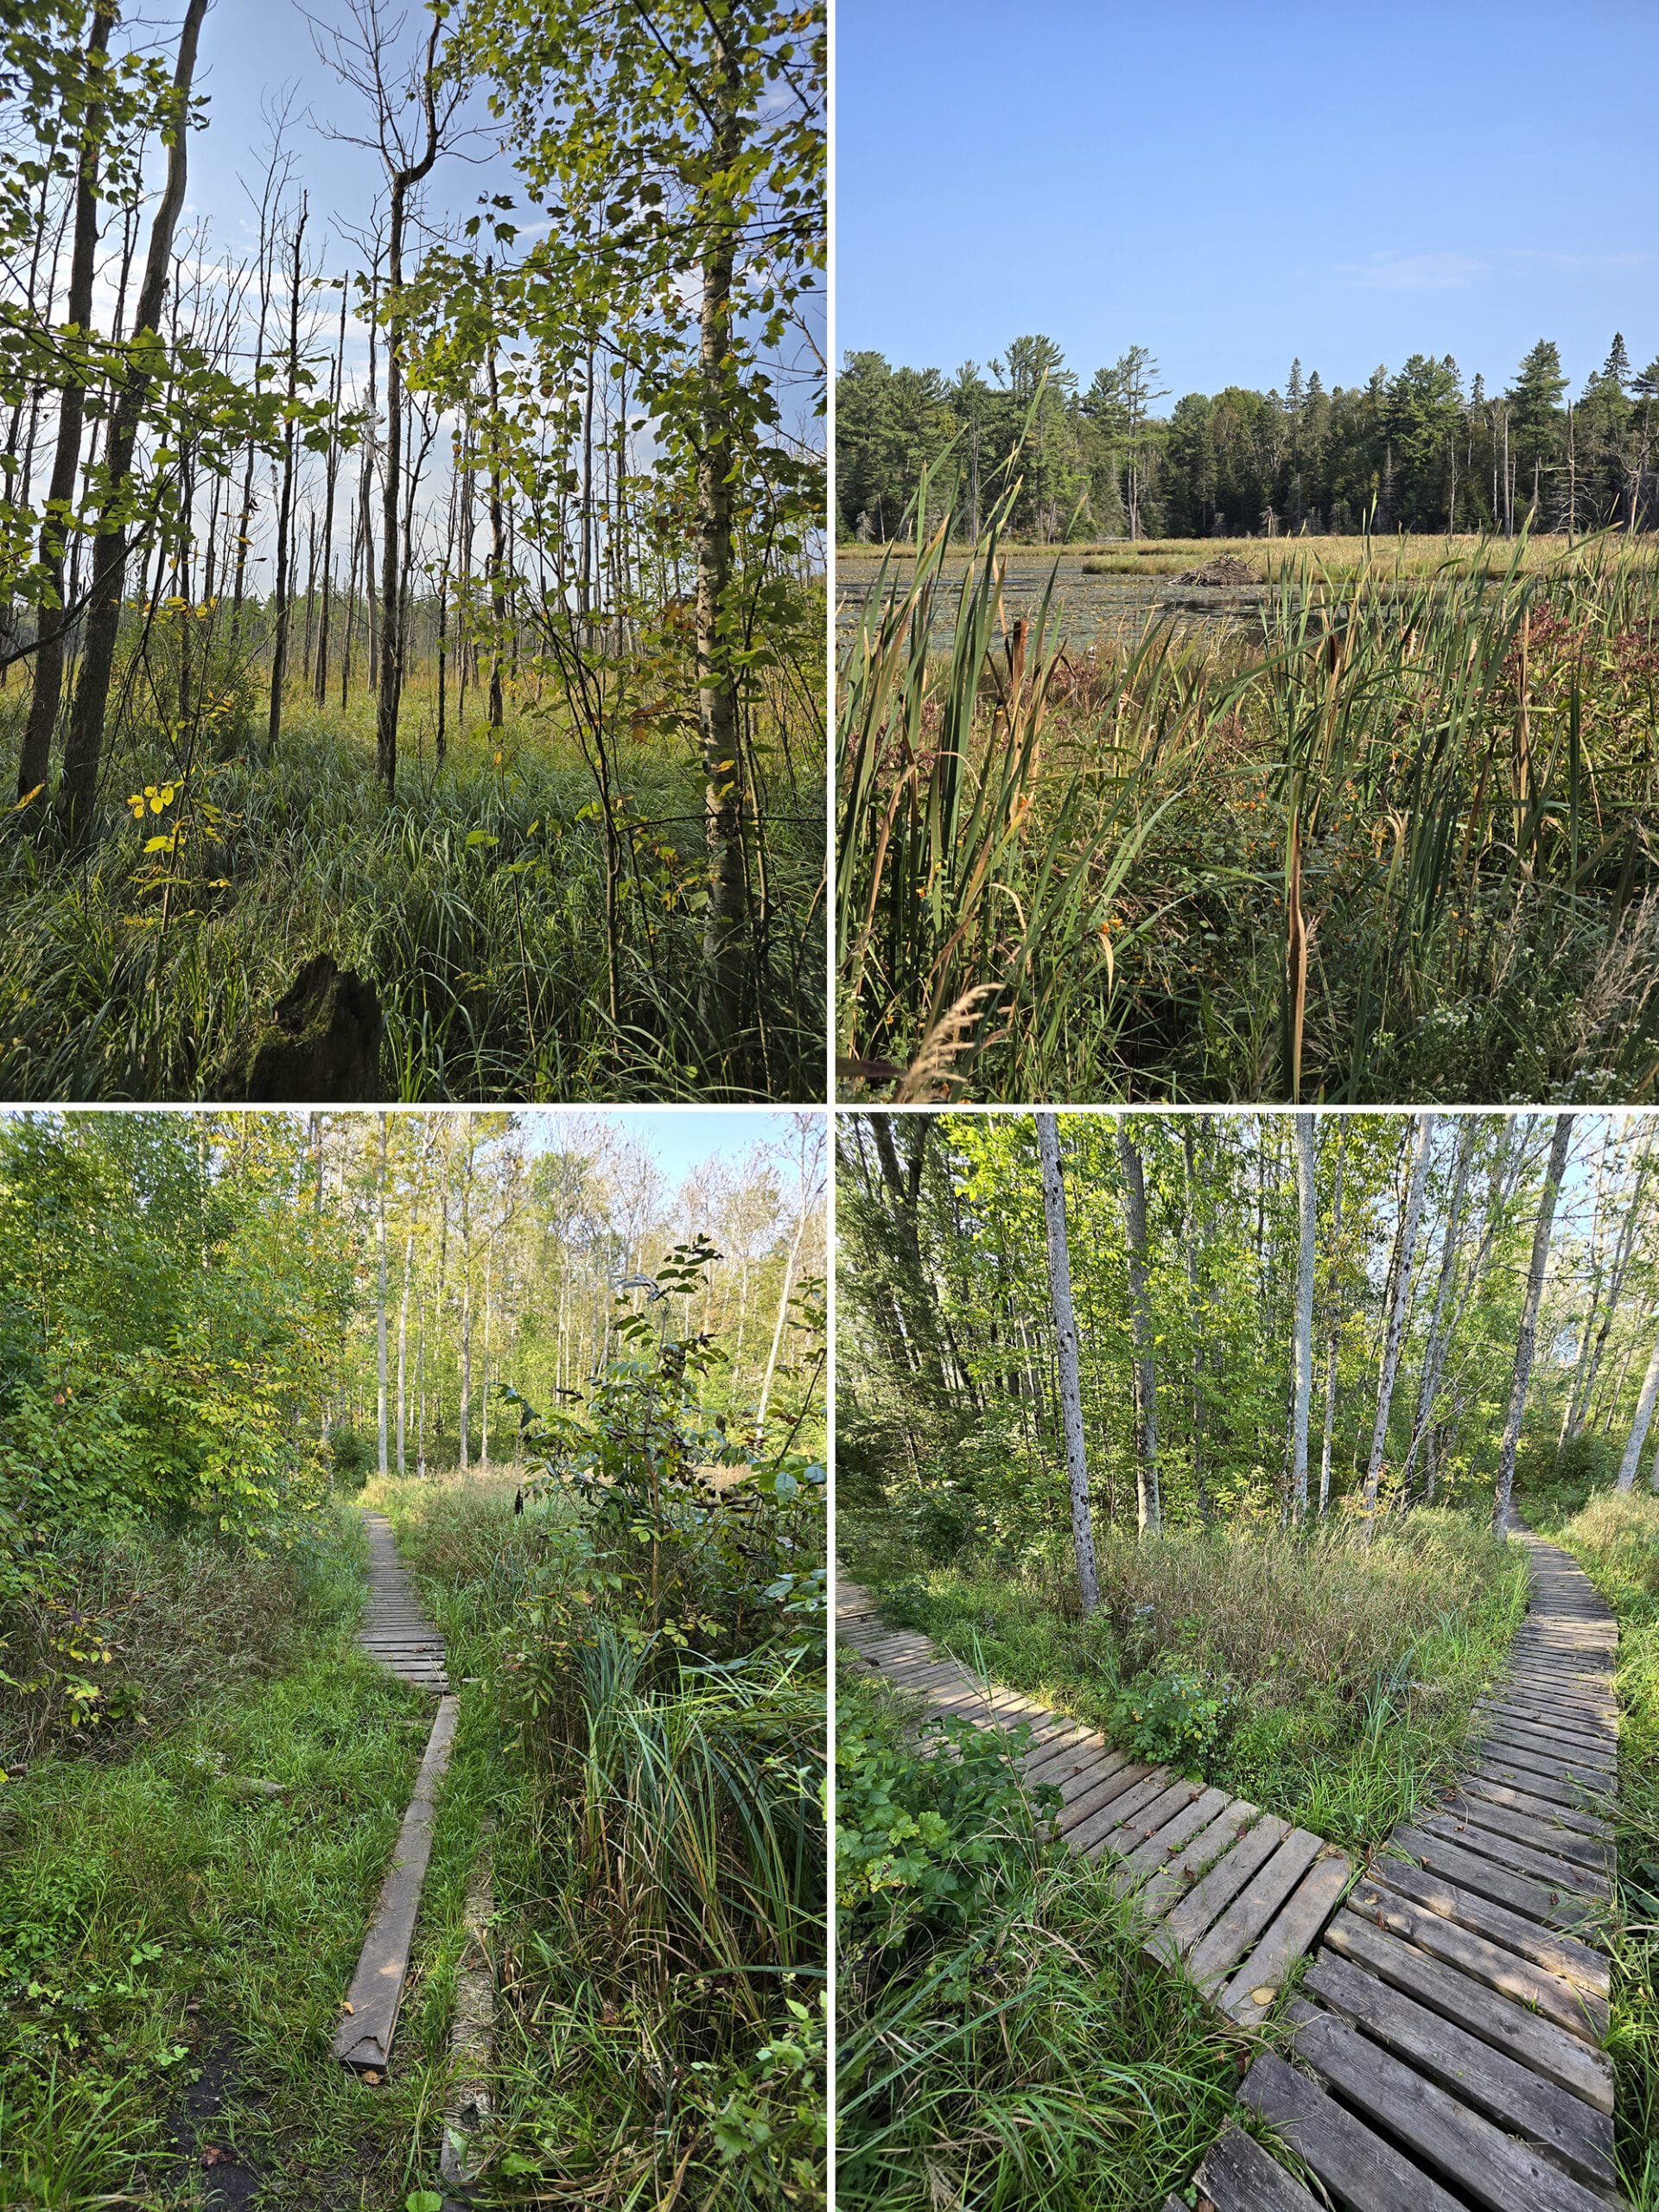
x=1231 y=186
x=679 y=1138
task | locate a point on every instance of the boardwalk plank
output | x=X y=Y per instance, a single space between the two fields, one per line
x=1184 y=1926
x=1476 y=2157
x=1533 y=2041
x=1249 y=1997
x=1238 y=2176
x=1480 y=2078
x=1361 y=2171
x=1550 y=1996
x=1250 y=1912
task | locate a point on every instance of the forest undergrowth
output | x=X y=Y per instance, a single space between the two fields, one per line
x=1328 y=1680
x=1386 y=838
x=478 y=904
x=1002 y=2038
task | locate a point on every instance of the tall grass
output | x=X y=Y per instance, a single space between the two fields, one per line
x=1004 y=2038
x=660 y=1877
x=1391 y=845
x=476 y=904
x=1328 y=1680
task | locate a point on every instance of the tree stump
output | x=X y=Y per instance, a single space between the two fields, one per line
x=327 y=1044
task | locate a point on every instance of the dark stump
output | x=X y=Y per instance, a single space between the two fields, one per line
x=327 y=1043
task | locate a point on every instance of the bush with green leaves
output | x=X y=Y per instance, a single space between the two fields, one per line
x=927 y=1825
x=1175 y=1716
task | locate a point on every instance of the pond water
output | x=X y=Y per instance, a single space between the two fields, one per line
x=1083 y=607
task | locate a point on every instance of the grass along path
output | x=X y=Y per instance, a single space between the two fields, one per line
x=1450 y=2027
x=1457 y=2037
x=178 y=1926
x=1234 y=1896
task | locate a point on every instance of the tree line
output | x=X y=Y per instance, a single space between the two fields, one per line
x=1054 y=1321
x=1419 y=449
x=208 y=1319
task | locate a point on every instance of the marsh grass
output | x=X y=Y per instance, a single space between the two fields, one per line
x=1391 y=842
x=183 y=1616
x=1348 y=1672
x=476 y=904
x=659 y=1861
x=1410 y=553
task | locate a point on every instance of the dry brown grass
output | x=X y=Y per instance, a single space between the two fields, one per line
x=1275 y=1613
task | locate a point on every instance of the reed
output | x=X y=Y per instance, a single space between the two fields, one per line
x=1386 y=841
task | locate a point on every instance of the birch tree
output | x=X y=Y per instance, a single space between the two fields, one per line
x=1639 y=1426
x=1307 y=1253
x=1148 y=1505
x=1065 y=1338
x=1523 y=1349
x=1397 y=1318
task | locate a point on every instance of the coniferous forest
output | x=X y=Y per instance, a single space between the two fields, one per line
x=1424 y=448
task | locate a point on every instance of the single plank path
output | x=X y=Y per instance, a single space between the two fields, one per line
x=397 y=1633
x=1448 y=2027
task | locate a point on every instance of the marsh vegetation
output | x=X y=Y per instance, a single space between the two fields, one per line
x=1380 y=834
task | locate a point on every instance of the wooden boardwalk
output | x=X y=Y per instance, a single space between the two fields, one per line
x=395 y=1630
x=1447 y=2026
x=1232 y=1896
x=399 y=1635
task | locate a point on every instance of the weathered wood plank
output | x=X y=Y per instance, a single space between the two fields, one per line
x=1157 y=1850
x=1251 y=1994
x=1090 y=1832
x=1146 y=1819
x=1362 y=2169
x=1551 y=1996
x=363 y=2039
x=1187 y=1923
x=1531 y=2040
x=1250 y=1912
x=1479 y=2077
x=1541 y=1809
x=1545 y=1903
x=1470 y=2152
x=1556 y=1952
x=1541 y=1832
x=1566 y=1876
x=1207 y=1847
x=1103 y=1793
x=1238 y=2176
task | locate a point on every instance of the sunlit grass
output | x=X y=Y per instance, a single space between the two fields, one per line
x=1386 y=841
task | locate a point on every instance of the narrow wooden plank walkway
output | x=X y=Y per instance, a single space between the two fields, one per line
x=394 y=1628
x=399 y=1635
x=1448 y=2030
x=1232 y=1896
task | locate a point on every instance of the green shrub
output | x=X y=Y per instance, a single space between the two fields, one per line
x=926 y=1829
x=1174 y=1718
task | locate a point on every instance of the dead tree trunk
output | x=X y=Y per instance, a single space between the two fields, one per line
x=51 y=616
